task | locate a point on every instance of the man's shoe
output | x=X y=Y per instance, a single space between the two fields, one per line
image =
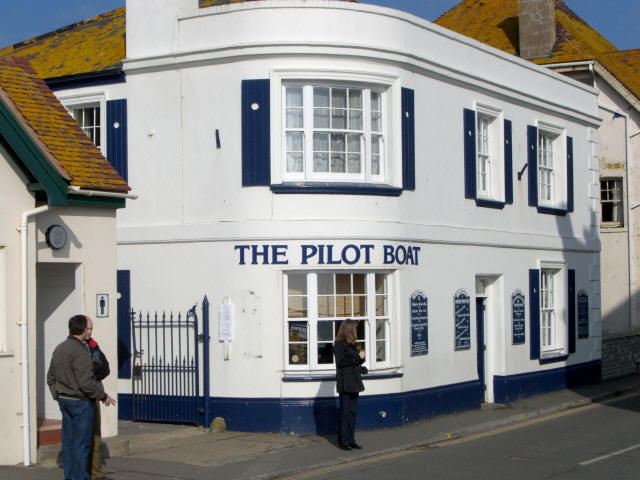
x=344 y=447
x=356 y=446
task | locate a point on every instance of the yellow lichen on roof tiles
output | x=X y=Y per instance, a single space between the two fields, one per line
x=92 y=45
x=495 y=23
x=581 y=30
x=625 y=66
x=41 y=112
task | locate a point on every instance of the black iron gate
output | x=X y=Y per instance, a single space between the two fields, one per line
x=167 y=369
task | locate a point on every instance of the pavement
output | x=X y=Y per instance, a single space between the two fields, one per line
x=147 y=451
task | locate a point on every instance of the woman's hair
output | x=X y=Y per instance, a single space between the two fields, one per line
x=348 y=332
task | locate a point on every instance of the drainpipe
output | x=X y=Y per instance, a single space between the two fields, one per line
x=24 y=332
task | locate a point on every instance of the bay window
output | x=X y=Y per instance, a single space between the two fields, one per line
x=333 y=133
x=316 y=305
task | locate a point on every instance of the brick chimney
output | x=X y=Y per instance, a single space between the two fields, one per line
x=537 y=24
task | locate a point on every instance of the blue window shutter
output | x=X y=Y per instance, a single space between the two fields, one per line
x=256 y=133
x=408 y=141
x=569 y=174
x=508 y=163
x=572 y=311
x=117 y=136
x=534 y=313
x=532 y=160
x=124 y=323
x=469 y=153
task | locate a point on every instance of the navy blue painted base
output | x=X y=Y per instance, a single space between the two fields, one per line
x=512 y=387
x=320 y=415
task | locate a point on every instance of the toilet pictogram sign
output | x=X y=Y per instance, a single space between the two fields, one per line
x=102 y=305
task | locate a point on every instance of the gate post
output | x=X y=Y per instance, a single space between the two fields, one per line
x=205 y=360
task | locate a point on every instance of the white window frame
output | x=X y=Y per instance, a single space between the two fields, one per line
x=493 y=158
x=557 y=191
x=553 y=318
x=312 y=320
x=616 y=200
x=388 y=85
x=72 y=102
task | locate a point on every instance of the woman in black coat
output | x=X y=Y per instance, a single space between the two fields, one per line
x=348 y=381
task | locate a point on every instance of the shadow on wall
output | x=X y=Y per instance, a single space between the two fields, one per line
x=613 y=316
x=325 y=410
x=511 y=29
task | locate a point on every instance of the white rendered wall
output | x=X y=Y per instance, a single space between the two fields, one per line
x=91 y=245
x=178 y=238
x=12 y=184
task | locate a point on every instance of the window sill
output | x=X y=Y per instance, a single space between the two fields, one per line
x=484 y=202
x=292 y=378
x=6 y=354
x=552 y=211
x=611 y=225
x=553 y=358
x=336 y=188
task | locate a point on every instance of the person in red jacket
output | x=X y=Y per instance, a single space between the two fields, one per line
x=348 y=381
x=101 y=371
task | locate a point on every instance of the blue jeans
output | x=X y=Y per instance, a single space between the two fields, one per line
x=77 y=422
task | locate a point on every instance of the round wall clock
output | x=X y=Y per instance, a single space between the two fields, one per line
x=56 y=236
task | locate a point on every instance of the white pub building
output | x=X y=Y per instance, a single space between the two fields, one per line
x=303 y=162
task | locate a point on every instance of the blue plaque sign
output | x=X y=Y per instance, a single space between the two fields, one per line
x=462 y=316
x=419 y=324
x=583 y=314
x=517 y=317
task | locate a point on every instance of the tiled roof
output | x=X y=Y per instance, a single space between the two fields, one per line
x=62 y=141
x=625 y=66
x=495 y=22
x=93 y=45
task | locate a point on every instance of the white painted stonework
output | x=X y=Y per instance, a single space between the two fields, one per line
x=60 y=283
x=179 y=240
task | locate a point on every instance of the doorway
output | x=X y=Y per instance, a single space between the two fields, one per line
x=58 y=297
x=489 y=330
x=482 y=347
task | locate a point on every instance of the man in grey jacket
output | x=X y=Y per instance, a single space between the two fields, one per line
x=74 y=385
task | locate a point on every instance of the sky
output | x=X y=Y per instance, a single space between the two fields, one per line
x=25 y=19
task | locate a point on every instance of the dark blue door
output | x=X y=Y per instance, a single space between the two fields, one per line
x=481 y=345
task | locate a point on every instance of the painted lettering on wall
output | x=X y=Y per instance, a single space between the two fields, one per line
x=327 y=254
